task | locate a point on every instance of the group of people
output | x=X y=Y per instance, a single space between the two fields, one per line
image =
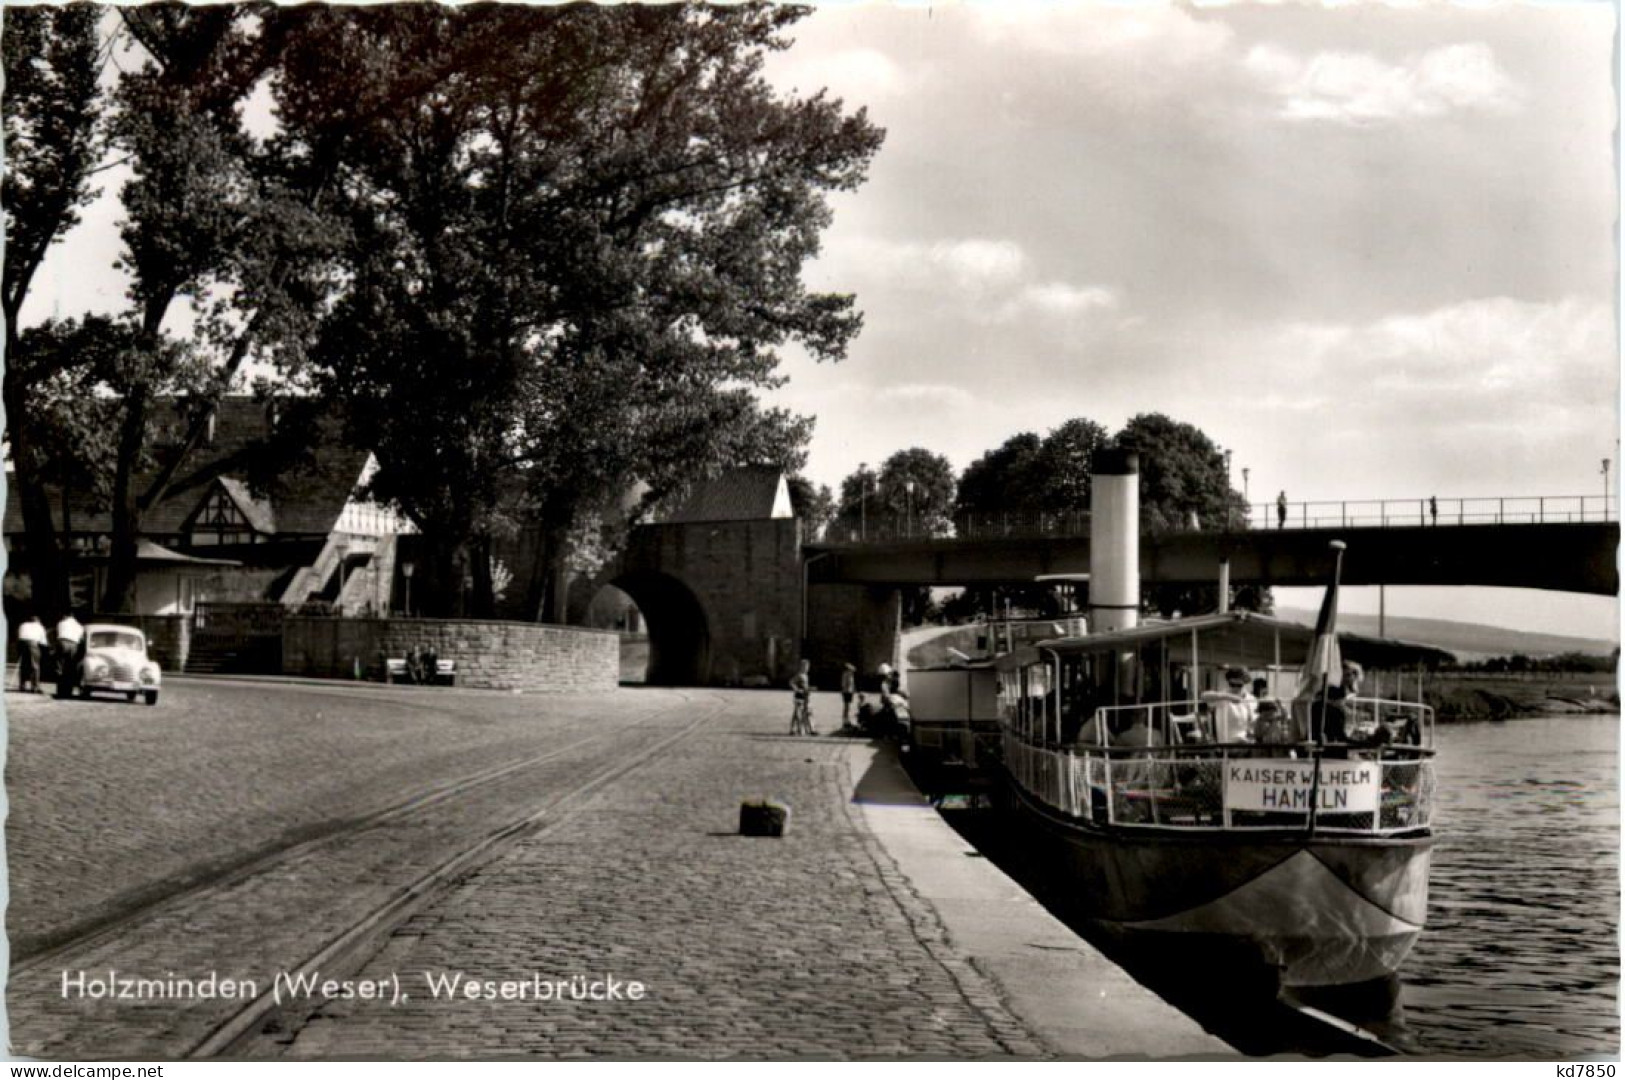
x=32 y=646
x=422 y=665
x=1243 y=714
x=893 y=700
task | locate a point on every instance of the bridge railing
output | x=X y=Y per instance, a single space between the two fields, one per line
x=1316 y=514
x=1430 y=511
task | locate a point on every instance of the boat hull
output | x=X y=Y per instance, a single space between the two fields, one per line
x=1318 y=911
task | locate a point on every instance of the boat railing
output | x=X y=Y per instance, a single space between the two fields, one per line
x=1333 y=789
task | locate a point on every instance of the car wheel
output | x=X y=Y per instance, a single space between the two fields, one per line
x=152 y=697
x=129 y=695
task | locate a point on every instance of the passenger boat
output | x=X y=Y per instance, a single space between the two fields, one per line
x=1312 y=855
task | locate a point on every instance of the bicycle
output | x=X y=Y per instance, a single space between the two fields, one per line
x=801 y=718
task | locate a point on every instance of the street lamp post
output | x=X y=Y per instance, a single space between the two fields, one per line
x=406 y=572
x=909 y=487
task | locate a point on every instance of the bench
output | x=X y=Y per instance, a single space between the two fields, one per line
x=445 y=671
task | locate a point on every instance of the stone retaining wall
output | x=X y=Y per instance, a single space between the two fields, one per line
x=489 y=655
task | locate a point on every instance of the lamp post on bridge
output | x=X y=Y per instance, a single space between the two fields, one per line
x=908 y=486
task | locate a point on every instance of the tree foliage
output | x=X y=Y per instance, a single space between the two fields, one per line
x=814 y=504
x=575 y=238
x=212 y=221
x=53 y=143
x=881 y=504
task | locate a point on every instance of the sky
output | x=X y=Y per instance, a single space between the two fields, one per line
x=1367 y=248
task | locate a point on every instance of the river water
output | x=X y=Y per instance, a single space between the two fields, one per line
x=1521 y=954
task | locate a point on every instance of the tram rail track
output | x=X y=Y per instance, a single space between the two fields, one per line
x=352 y=943
x=374 y=833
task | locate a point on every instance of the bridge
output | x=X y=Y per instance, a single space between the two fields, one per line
x=741 y=601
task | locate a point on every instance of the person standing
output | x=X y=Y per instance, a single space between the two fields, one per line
x=1233 y=711
x=1433 y=508
x=849 y=687
x=801 y=695
x=69 y=635
x=1280 y=510
x=31 y=643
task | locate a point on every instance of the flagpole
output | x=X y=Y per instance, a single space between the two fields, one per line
x=1326 y=683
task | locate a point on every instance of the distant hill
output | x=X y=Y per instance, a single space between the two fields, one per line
x=1469 y=641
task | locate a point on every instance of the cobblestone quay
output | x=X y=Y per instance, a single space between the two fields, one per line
x=430 y=840
x=812 y=945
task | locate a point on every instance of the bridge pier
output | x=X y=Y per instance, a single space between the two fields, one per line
x=852 y=624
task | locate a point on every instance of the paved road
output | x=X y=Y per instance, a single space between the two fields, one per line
x=813 y=945
x=113 y=804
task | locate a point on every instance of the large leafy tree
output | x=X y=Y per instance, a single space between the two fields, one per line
x=53 y=144
x=1184 y=483
x=1183 y=479
x=915 y=491
x=213 y=223
x=576 y=237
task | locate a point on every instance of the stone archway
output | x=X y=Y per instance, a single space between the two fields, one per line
x=679 y=630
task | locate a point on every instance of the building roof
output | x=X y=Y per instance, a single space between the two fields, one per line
x=752 y=493
x=302 y=500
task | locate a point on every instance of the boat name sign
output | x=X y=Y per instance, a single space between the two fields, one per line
x=1274 y=785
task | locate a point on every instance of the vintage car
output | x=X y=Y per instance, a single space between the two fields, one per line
x=116 y=663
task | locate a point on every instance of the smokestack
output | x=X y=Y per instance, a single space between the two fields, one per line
x=1114 y=541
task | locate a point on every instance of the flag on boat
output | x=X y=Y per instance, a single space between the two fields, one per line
x=1323 y=666
x=1325 y=658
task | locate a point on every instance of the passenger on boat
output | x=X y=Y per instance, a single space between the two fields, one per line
x=1139 y=733
x=1330 y=717
x=1273 y=727
x=1233 y=709
x=1092 y=733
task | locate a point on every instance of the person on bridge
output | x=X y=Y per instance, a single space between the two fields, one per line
x=1433 y=508
x=1280 y=510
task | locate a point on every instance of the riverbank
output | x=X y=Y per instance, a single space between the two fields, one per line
x=1479 y=696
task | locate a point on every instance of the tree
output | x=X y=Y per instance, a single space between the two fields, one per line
x=1182 y=476
x=576 y=237
x=1027 y=476
x=1183 y=479
x=1002 y=481
x=52 y=58
x=1066 y=463
x=915 y=493
x=857 y=503
x=814 y=504
x=211 y=221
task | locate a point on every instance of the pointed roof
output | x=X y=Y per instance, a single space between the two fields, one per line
x=305 y=500
x=751 y=493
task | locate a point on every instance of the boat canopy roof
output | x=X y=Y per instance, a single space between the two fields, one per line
x=1243 y=638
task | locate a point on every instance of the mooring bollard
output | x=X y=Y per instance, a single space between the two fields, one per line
x=763 y=817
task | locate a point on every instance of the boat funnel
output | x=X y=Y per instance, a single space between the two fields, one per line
x=1114 y=541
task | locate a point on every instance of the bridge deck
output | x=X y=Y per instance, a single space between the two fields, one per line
x=1570 y=557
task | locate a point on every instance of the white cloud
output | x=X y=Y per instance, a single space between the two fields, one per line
x=927 y=395
x=1358 y=88
x=978 y=264
x=1056 y=299
x=1172 y=36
